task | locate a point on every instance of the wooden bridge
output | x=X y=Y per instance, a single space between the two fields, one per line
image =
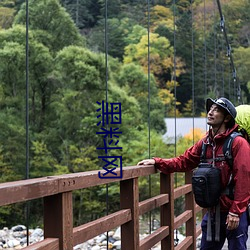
x=59 y=233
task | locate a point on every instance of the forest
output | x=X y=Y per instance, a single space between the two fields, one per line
x=158 y=58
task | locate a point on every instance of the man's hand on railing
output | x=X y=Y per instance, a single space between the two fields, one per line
x=146 y=162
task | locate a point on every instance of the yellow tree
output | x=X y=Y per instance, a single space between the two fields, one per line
x=155 y=52
x=167 y=97
x=6 y=14
x=160 y=55
x=161 y=16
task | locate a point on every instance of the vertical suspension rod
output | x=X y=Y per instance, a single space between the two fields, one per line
x=229 y=52
x=106 y=82
x=149 y=121
x=27 y=206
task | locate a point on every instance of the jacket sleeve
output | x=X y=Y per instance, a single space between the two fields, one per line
x=241 y=175
x=183 y=163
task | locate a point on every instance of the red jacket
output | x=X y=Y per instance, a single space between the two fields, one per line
x=241 y=167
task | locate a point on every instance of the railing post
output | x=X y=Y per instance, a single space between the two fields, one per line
x=167 y=210
x=129 y=198
x=58 y=219
x=190 y=205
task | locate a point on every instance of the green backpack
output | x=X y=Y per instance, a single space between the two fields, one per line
x=243 y=120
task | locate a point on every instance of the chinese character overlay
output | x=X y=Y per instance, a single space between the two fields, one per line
x=114 y=116
x=115 y=169
x=110 y=115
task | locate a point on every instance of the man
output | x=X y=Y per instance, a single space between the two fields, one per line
x=221 y=115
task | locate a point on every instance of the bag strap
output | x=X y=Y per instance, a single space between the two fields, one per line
x=227 y=148
x=203 y=152
x=209 y=225
x=227 y=151
x=217 y=223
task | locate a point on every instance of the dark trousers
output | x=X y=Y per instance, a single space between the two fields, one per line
x=237 y=238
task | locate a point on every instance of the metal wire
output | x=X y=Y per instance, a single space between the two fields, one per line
x=236 y=82
x=175 y=105
x=27 y=207
x=149 y=121
x=106 y=92
x=205 y=50
x=174 y=71
x=192 y=77
x=215 y=51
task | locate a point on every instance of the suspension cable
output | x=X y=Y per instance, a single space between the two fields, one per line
x=229 y=53
x=215 y=51
x=192 y=74
x=174 y=74
x=149 y=121
x=27 y=207
x=106 y=83
x=205 y=49
x=175 y=95
x=221 y=68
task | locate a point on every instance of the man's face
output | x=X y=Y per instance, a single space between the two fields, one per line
x=215 y=116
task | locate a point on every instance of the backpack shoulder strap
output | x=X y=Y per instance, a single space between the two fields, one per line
x=203 y=152
x=227 y=148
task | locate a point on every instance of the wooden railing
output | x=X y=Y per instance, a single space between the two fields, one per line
x=59 y=232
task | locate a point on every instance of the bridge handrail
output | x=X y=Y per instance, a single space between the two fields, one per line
x=56 y=192
x=24 y=190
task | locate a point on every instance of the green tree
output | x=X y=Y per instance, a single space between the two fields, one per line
x=53 y=25
x=84 y=13
x=118 y=31
x=79 y=72
x=13 y=60
x=12 y=108
x=242 y=64
x=40 y=67
x=13 y=148
x=237 y=21
x=135 y=81
x=42 y=163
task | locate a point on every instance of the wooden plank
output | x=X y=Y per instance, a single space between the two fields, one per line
x=90 y=230
x=178 y=192
x=46 y=244
x=198 y=231
x=91 y=178
x=198 y=228
x=167 y=210
x=190 y=205
x=154 y=238
x=182 y=218
x=24 y=190
x=198 y=209
x=129 y=195
x=152 y=203
x=185 y=244
x=58 y=219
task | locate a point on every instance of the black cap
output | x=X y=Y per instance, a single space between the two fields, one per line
x=223 y=103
